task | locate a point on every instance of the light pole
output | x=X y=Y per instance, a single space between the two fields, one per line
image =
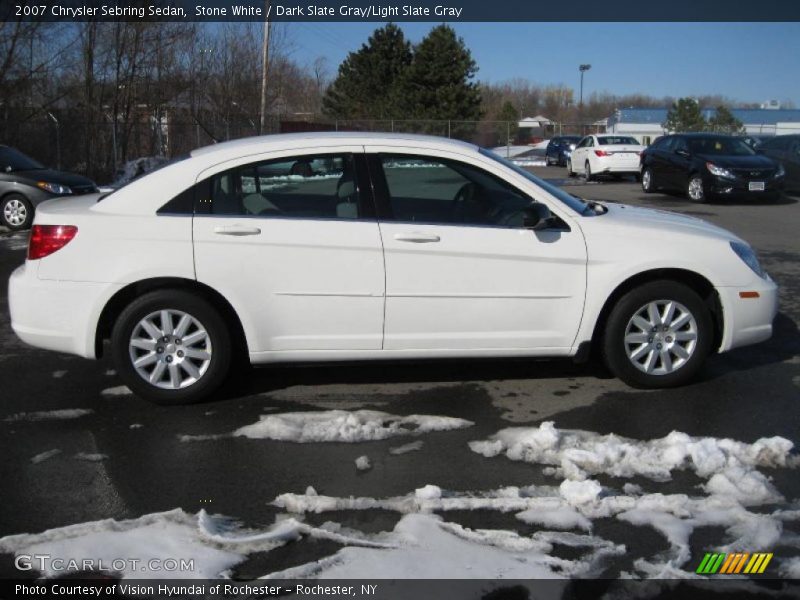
x=264 y=70
x=583 y=69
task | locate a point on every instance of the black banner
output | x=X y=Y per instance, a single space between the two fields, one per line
x=403 y=10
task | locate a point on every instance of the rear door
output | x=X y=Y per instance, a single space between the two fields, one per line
x=291 y=241
x=462 y=273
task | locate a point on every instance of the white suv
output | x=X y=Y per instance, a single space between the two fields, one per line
x=326 y=247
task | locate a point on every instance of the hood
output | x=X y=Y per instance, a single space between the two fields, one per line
x=757 y=161
x=53 y=176
x=648 y=222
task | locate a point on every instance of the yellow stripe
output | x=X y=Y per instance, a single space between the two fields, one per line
x=757 y=564
x=727 y=563
x=753 y=562
x=741 y=563
x=765 y=563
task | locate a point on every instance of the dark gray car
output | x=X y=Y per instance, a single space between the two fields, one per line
x=786 y=150
x=25 y=183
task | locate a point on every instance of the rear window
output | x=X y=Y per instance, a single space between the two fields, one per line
x=617 y=140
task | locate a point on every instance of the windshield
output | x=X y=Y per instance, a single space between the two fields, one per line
x=613 y=141
x=576 y=204
x=14 y=160
x=720 y=146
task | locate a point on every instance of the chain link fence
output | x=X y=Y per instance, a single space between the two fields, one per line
x=98 y=145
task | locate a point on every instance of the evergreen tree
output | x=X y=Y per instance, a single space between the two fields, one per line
x=509 y=129
x=684 y=116
x=725 y=122
x=367 y=77
x=438 y=83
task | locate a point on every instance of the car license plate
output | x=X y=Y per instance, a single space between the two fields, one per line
x=756 y=186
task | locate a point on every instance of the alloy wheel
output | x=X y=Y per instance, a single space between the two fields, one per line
x=661 y=337
x=15 y=212
x=170 y=349
x=696 y=189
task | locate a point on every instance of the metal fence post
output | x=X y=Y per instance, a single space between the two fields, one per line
x=448 y=128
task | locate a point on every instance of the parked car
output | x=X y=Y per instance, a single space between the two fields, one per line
x=605 y=154
x=25 y=183
x=785 y=149
x=708 y=165
x=559 y=148
x=356 y=246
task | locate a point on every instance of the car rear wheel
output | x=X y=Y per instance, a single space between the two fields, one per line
x=694 y=189
x=588 y=171
x=658 y=335
x=16 y=212
x=171 y=347
x=647 y=181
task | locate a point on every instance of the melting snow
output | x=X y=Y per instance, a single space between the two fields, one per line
x=120 y=390
x=59 y=374
x=39 y=458
x=49 y=415
x=405 y=448
x=339 y=426
x=90 y=457
x=363 y=464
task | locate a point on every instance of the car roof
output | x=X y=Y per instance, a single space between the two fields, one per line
x=267 y=142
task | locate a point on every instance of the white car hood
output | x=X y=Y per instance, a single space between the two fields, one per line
x=648 y=221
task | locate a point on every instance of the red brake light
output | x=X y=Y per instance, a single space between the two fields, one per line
x=602 y=153
x=46 y=239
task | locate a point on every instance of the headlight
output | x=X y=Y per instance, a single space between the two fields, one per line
x=719 y=171
x=780 y=172
x=748 y=257
x=53 y=188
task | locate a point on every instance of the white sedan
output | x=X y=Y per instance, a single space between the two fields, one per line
x=354 y=246
x=605 y=155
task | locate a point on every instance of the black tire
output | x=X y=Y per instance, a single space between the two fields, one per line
x=696 y=180
x=648 y=183
x=615 y=349
x=13 y=207
x=570 y=172
x=205 y=314
x=588 y=171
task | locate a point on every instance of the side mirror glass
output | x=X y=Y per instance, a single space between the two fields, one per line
x=537 y=217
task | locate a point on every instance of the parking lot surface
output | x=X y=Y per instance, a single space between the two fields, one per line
x=116 y=456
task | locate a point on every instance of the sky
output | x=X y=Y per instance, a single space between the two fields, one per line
x=748 y=62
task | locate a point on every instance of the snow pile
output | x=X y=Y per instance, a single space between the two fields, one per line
x=728 y=465
x=49 y=415
x=133 y=169
x=344 y=426
x=363 y=464
x=120 y=390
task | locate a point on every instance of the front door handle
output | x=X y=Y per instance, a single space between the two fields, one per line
x=237 y=230
x=417 y=238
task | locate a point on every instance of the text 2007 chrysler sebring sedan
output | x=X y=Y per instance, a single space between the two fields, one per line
x=323 y=247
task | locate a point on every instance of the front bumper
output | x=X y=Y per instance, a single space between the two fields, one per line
x=748 y=320
x=718 y=186
x=56 y=315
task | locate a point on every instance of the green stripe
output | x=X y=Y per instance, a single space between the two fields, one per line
x=702 y=567
x=717 y=564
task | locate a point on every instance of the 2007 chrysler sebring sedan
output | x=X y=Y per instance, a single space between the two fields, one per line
x=324 y=247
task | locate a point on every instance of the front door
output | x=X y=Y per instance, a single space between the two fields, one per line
x=462 y=273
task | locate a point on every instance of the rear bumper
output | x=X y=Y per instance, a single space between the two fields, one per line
x=748 y=320
x=56 y=315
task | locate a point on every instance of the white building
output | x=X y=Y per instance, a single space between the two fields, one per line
x=646 y=124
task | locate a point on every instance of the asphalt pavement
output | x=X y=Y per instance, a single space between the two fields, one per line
x=138 y=465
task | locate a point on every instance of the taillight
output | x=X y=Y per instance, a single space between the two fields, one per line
x=46 y=239
x=602 y=153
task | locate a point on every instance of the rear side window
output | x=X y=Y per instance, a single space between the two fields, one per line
x=318 y=186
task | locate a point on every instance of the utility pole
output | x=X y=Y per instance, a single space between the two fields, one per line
x=264 y=68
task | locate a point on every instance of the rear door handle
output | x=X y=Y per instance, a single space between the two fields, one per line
x=237 y=230
x=417 y=238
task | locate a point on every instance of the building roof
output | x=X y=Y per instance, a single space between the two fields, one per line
x=748 y=116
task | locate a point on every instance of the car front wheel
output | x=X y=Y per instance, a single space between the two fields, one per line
x=570 y=172
x=171 y=347
x=658 y=335
x=16 y=212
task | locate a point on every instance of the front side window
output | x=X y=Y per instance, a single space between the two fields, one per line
x=437 y=190
x=320 y=186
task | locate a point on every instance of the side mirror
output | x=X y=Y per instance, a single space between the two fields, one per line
x=572 y=146
x=537 y=217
